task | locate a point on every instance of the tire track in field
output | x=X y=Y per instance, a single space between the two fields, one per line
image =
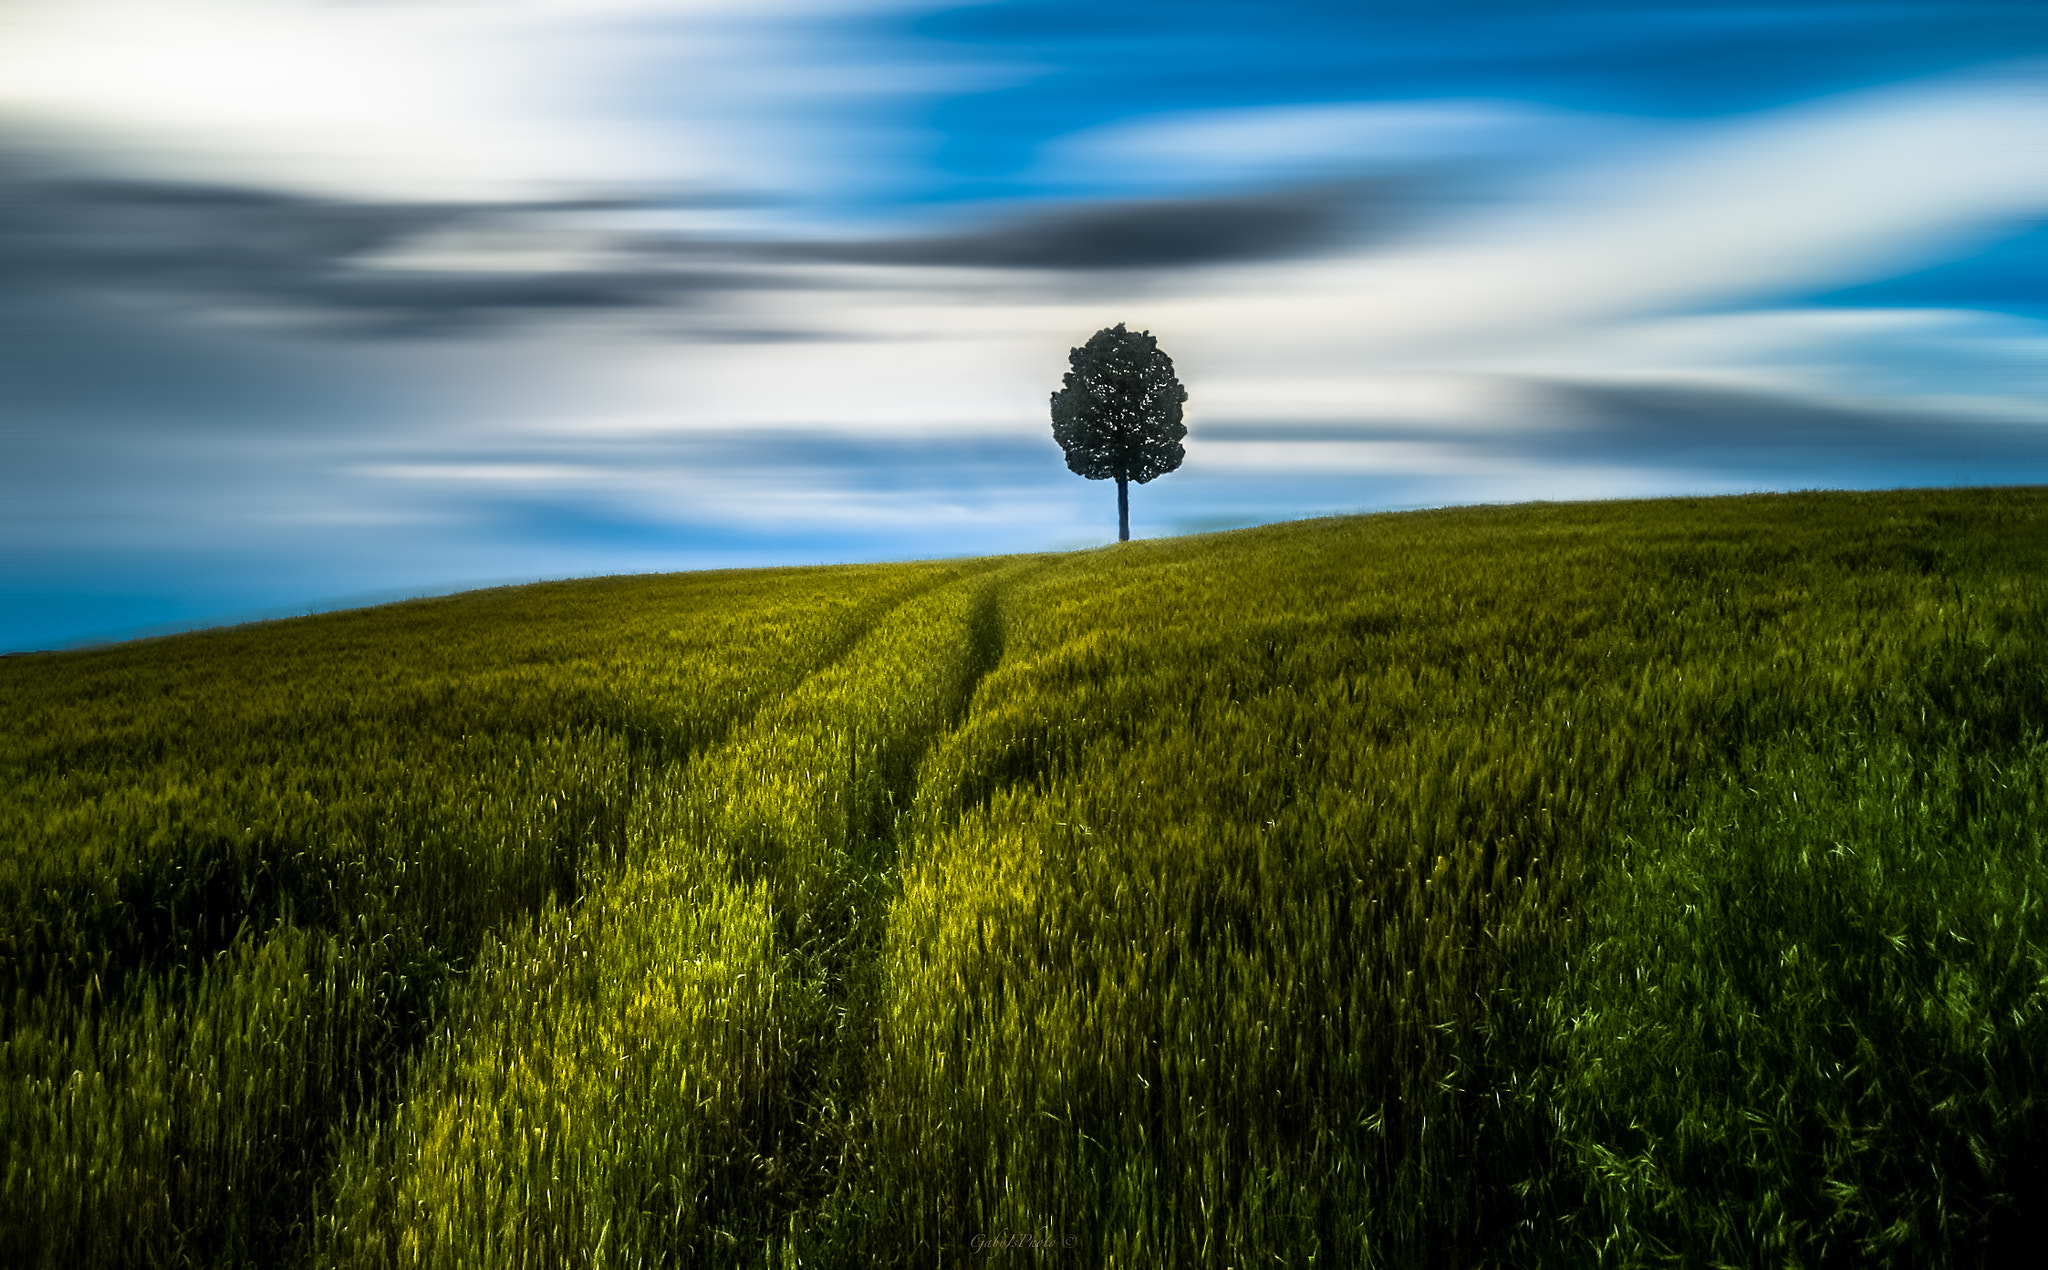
x=840 y=956
x=667 y=1062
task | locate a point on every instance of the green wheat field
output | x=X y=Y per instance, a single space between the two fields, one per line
x=1617 y=884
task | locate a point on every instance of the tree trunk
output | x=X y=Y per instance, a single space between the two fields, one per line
x=1123 y=509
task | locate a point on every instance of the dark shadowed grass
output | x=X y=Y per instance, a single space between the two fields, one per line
x=1811 y=1023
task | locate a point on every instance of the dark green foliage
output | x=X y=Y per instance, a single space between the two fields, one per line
x=1620 y=884
x=1119 y=416
x=1810 y=1026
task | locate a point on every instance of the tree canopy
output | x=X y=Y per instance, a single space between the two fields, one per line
x=1119 y=416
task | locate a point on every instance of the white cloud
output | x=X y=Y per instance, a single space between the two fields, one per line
x=1770 y=206
x=398 y=99
x=1861 y=356
x=1195 y=148
x=430 y=98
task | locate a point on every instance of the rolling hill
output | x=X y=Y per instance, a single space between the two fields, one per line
x=1598 y=884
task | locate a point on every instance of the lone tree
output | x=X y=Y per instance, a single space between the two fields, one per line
x=1119 y=415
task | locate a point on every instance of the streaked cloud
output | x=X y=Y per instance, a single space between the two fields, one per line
x=1266 y=145
x=1142 y=234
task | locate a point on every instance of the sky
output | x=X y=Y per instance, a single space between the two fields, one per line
x=311 y=303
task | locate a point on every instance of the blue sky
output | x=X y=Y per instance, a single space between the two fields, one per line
x=313 y=302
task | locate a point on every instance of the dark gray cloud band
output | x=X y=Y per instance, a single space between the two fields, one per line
x=1147 y=233
x=1716 y=434
x=295 y=252
x=330 y=259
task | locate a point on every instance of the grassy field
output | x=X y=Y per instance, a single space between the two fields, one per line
x=1617 y=884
